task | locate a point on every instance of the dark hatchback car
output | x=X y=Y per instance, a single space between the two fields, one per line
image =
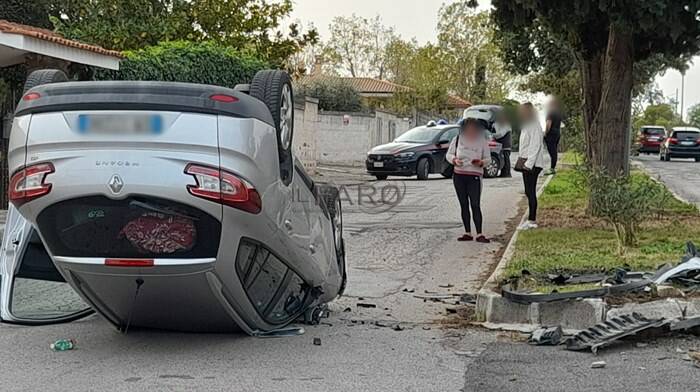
x=421 y=151
x=684 y=142
x=650 y=139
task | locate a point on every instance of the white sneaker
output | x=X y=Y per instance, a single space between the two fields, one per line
x=528 y=225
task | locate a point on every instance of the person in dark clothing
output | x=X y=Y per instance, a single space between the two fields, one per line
x=469 y=152
x=504 y=135
x=552 y=134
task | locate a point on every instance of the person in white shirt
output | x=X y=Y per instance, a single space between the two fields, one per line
x=531 y=149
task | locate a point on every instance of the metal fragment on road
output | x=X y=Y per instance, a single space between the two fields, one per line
x=607 y=332
x=546 y=336
x=598 y=365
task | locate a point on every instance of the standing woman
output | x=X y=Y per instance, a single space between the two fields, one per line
x=531 y=159
x=469 y=152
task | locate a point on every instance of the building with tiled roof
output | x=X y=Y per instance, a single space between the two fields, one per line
x=17 y=41
x=376 y=88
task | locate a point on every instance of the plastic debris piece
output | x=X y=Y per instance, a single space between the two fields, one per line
x=598 y=365
x=63 y=345
x=546 y=336
x=317 y=341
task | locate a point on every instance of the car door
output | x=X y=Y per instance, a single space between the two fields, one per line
x=32 y=291
x=443 y=145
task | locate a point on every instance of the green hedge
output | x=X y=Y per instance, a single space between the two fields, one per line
x=183 y=61
x=333 y=95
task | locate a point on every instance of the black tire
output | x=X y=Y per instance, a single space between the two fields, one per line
x=274 y=89
x=449 y=172
x=330 y=197
x=381 y=177
x=423 y=169
x=661 y=156
x=493 y=168
x=667 y=157
x=44 y=76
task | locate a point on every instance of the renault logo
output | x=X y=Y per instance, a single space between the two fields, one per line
x=116 y=184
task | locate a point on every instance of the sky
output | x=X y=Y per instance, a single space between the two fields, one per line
x=418 y=19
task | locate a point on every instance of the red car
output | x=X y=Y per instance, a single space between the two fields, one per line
x=650 y=139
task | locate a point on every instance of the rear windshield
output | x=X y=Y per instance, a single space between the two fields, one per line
x=685 y=135
x=653 y=131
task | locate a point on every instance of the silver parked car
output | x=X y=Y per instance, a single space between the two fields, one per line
x=165 y=205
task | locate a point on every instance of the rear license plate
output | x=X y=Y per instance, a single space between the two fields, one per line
x=123 y=124
x=687 y=143
x=653 y=139
x=378 y=164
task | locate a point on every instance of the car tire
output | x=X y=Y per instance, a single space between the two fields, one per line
x=274 y=89
x=381 y=177
x=449 y=172
x=423 y=169
x=330 y=196
x=667 y=157
x=493 y=168
x=44 y=76
x=661 y=156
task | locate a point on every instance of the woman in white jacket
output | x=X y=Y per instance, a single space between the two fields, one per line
x=531 y=149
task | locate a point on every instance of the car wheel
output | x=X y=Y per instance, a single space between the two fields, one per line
x=449 y=172
x=661 y=156
x=274 y=89
x=381 y=177
x=491 y=170
x=667 y=157
x=423 y=169
x=44 y=76
x=331 y=199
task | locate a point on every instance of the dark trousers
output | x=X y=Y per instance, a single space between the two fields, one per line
x=506 y=168
x=530 y=181
x=469 y=194
x=552 y=142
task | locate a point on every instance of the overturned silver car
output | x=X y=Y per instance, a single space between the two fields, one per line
x=165 y=205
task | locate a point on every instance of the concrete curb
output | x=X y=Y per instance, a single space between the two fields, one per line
x=496 y=312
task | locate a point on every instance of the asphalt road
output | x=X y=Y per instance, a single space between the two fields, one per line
x=410 y=246
x=682 y=176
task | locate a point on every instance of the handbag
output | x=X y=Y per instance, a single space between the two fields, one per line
x=520 y=165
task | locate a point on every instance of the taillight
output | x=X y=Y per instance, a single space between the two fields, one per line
x=31 y=96
x=29 y=183
x=129 y=262
x=223 y=187
x=672 y=140
x=223 y=98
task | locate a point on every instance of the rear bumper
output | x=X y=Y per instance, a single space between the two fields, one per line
x=650 y=147
x=684 y=152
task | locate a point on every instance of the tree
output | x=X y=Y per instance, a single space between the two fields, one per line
x=694 y=115
x=610 y=42
x=357 y=46
x=470 y=55
x=134 y=24
x=32 y=13
x=661 y=114
x=333 y=94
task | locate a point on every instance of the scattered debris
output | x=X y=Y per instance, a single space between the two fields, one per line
x=426 y=328
x=347 y=310
x=409 y=290
x=527 y=298
x=434 y=297
x=446 y=286
x=609 y=331
x=63 y=345
x=546 y=336
x=695 y=355
x=366 y=305
x=642 y=345
x=468 y=299
x=598 y=365
x=451 y=310
x=317 y=341
x=398 y=327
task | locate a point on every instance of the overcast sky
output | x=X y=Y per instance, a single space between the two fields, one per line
x=418 y=18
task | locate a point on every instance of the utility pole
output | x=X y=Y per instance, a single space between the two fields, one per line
x=682 y=94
